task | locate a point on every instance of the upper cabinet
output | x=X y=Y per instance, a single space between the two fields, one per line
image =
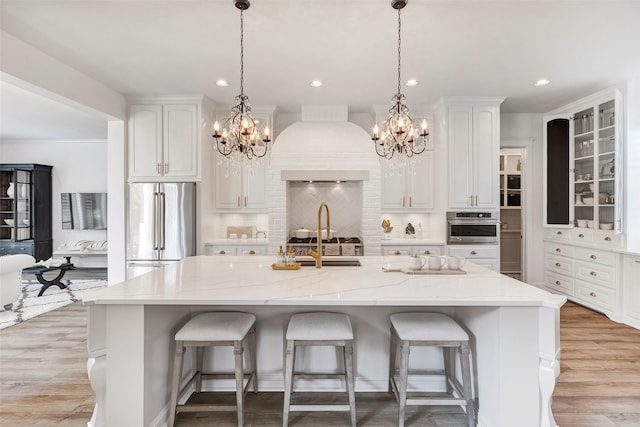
x=410 y=189
x=164 y=139
x=582 y=164
x=472 y=129
x=241 y=188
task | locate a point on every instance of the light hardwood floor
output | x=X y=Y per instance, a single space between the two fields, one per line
x=43 y=380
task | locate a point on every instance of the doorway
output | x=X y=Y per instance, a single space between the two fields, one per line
x=512 y=204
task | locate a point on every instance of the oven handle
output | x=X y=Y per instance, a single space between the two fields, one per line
x=474 y=222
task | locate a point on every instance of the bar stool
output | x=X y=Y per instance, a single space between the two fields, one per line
x=436 y=330
x=214 y=329
x=319 y=329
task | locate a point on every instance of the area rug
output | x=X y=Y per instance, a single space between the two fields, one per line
x=29 y=304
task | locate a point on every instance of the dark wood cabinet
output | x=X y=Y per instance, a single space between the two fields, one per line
x=26 y=210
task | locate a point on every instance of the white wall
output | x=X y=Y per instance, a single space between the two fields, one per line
x=525 y=131
x=78 y=167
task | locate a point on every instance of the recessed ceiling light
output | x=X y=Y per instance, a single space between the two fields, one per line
x=316 y=83
x=542 y=82
x=412 y=82
x=222 y=83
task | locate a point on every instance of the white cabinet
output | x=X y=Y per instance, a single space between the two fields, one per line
x=232 y=250
x=164 y=142
x=631 y=289
x=407 y=250
x=473 y=137
x=484 y=255
x=588 y=276
x=582 y=165
x=243 y=189
x=410 y=188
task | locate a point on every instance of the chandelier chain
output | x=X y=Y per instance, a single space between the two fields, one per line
x=399 y=44
x=241 y=52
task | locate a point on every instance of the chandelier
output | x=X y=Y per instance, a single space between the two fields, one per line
x=400 y=134
x=241 y=138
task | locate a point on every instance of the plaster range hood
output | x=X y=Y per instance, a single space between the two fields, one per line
x=324 y=175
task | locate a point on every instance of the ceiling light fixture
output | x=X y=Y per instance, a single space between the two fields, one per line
x=240 y=139
x=222 y=83
x=316 y=83
x=399 y=132
x=542 y=82
x=412 y=82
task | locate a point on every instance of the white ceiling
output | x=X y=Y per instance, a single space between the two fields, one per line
x=452 y=47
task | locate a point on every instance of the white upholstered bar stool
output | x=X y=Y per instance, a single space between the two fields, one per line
x=435 y=330
x=235 y=329
x=319 y=329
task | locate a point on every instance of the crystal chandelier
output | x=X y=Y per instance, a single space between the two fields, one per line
x=241 y=138
x=400 y=134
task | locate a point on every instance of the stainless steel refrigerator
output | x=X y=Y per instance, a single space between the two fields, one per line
x=161 y=224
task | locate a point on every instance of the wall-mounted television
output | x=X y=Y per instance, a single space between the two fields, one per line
x=84 y=211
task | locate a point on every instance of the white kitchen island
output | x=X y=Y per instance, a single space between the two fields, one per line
x=514 y=330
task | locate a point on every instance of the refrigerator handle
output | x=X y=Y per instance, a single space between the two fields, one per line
x=163 y=219
x=155 y=220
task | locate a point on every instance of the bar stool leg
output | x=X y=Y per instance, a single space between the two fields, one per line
x=238 y=355
x=402 y=387
x=175 y=381
x=199 y=367
x=466 y=378
x=254 y=360
x=449 y=367
x=288 y=381
x=349 y=369
x=393 y=345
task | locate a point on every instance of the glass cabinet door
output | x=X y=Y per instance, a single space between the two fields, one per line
x=583 y=158
x=15 y=205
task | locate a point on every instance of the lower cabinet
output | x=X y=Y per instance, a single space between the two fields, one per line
x=631 y=289
x=483 y=255
x=240 y=250
x=588 y=276
x=421 y=250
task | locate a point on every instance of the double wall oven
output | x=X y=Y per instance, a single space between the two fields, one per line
x=473 y=227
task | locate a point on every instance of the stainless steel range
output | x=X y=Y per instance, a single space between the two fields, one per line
x=473 y=227
x=337 y=246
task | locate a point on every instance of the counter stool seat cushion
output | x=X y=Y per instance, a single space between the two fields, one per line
x=219 y=326
x=319 y=327
x=411 y=327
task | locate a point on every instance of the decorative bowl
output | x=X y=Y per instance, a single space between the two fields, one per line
x=606 y=226
x=590 y=223
x=9 y=222
x=587 y=200
x=582 y=223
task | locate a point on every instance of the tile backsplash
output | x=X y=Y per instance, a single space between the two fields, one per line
x=344 y=200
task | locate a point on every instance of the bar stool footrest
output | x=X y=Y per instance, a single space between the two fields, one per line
x=309 y=408
x=206 y=407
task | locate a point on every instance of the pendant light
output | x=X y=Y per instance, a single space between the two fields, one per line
x=241 y=139
x=400 y=134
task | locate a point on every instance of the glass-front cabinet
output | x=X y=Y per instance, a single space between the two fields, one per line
x=25 y=210
x=585 y=193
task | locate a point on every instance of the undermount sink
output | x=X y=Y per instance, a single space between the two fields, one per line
x=332 y=263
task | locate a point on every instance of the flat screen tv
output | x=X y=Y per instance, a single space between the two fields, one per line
x=84 y=211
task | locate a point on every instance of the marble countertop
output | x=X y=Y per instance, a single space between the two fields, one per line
x=237 y=280
x=410 y=242
x=237 y=242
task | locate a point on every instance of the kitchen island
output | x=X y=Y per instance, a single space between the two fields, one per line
x=513 y=327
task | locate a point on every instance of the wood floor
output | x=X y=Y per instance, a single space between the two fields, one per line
x=43 y=380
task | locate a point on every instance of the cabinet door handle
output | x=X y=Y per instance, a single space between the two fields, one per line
x=475 y=200
x=559 y=233
x=403 y=201
x=558 y=282
x=239 y=201
x=410 y=201
x=166 y=168
x=558 y=250
x=470 y=203
x=427 y=252
x=158 y=168
x=593 y=257
x=593 y=294
x=557 y=264
x=222 y=252
x=593 y=273
x=637 y=261
x=252 y=252
x=608 y=239
x=473 y=253
x=396 y=253
x=581 y=235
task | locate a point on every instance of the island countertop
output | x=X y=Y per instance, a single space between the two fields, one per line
x=251 y=281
